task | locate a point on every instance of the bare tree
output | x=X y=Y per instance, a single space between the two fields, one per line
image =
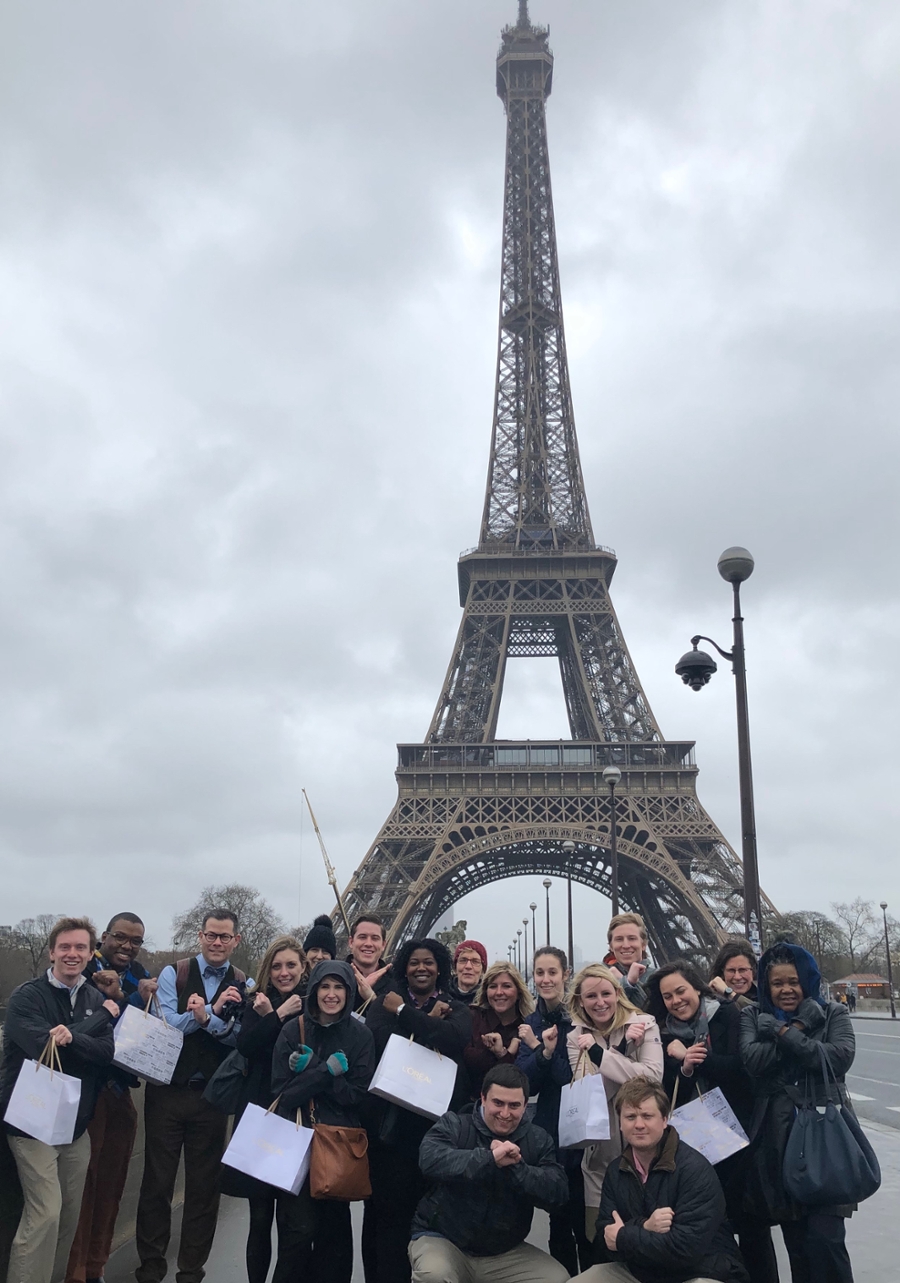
x=860 y=928
x=31 y=936
x=258 y=922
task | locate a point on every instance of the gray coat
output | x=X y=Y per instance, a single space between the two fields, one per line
x=780 y=1068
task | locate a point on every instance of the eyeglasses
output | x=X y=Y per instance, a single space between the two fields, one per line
x=212 y=936
x=137 y=941
x=738 y=971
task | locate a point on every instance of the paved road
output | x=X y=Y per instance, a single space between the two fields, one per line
x=874 y=1080
x=873 y=1234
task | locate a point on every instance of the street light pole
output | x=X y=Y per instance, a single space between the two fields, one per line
x=887 y=951
x=612 y=775
x=533 y=908
x=547 y=885
x=525 y=925
x=519 y=949
x=695 y=669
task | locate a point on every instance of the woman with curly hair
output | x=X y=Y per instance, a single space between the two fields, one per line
x=500 y=1006
x=610 y=1037
x=733 y=974
x=418 y=1005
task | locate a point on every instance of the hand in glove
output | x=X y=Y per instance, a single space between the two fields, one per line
x=337 y=1064
x=766 y=1026
x=300 y=1059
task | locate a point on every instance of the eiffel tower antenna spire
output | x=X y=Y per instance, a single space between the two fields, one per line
x=472 y=809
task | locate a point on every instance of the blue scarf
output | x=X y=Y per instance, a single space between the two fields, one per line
x=807 y=971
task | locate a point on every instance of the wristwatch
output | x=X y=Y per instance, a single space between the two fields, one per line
x=728 y=991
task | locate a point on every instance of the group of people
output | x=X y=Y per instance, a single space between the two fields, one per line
x=452 y=1201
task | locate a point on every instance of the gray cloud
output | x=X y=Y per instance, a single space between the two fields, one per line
x=250 y=258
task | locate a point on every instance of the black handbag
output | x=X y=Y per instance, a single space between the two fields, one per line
x=225 y=1089
x=828 y=1161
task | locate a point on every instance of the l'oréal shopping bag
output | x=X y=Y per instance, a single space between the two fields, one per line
x=414 y=1077
x=272 y=1149
x=146 y=1045
x=583 y=1112
x=44 y=1101
x=708 y=1124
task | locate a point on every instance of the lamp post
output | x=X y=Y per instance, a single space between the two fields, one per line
x=569 y=851
x=695 y=669
x=887 y=952
x=612 y=775
x=533 y=908
x=547 y=885
x=519 y=950
x=525 y=925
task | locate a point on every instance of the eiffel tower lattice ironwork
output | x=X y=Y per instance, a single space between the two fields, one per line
x=472 y=809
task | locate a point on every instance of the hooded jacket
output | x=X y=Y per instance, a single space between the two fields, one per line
x=336 y=1098
x=481 y=1208
x=781 y=1065
x=698 y=1245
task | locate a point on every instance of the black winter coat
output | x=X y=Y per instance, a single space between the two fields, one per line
x=389 y=1124
x=699 y=1244
x=481 y=1208
x=34 y=1009
x=722 y=1068
x=256 y=1040
x=337 y=1100
x=780 y=1065
x=546 y=1078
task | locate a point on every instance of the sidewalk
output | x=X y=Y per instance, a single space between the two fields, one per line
x=873 y=1233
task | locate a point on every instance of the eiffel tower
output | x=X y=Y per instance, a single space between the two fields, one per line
x=472 y=809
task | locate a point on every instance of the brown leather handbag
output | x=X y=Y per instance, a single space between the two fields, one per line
x=339 y=1158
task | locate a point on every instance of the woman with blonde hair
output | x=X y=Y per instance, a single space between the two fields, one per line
x=501 y=1004
x=610 y=1037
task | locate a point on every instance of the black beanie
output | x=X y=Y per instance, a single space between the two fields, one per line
x=321 y=936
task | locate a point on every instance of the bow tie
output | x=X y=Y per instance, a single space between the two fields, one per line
x=214 y=973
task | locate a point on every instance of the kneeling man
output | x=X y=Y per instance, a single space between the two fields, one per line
x=662 y=1211
x=490 y=1169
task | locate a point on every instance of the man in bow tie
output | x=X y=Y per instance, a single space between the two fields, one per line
x=194 y=998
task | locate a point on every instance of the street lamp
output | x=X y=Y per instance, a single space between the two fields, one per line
x=695 y=669
x=519 y=950
x=547 y=885
x=569 y=851
x=890 y=969
x=525 y=925
x=612 y=775
x=533 y=908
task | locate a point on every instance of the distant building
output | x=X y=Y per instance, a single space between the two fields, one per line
x=864 y=983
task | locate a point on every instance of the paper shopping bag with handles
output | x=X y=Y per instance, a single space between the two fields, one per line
x=583 y=1112
x=44 y=1101
x=275 y=1150
x=414 y=1077
x=146 y=1045
x=708 y=1124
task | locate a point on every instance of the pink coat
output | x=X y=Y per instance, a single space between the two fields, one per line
x=637 y=1059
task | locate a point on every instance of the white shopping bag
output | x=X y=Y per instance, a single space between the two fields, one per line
x=146 y=1045
x=272 y=1149
x=44 y=1102
x=583 y=1112
x=708 y=1125
x=414 y=1077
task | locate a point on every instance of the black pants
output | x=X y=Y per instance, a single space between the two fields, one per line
x=315 y=1240
x=817 y=1250
x=397 y=1186
x=568 y=1242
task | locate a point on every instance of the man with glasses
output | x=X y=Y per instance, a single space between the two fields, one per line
x=194 y=998
x=116 y=972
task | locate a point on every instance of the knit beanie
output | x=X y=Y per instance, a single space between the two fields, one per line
x=472 y=944
x=321 y=936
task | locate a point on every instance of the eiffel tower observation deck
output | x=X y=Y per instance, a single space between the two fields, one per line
x=472 y=810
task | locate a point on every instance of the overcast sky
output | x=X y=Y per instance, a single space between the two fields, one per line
x=249 y=270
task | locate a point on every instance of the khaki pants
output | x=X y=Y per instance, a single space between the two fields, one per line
x=617 y=1274
x=52 y=1180
x=436 y=1260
